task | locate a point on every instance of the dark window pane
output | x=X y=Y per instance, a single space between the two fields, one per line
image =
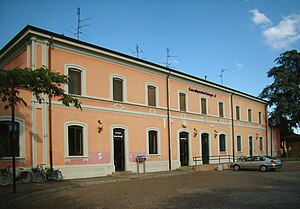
x=118 y=89
x=75 y=82
x=237 y=110
x=249 y=115
x=222 y=143
x=203 y=106
x=182 y=102
x=153 y=142
x=152 y=96
x=259 y=117
x=75 y=140
x=6 y=142
x=221 y=109
x=239 y=143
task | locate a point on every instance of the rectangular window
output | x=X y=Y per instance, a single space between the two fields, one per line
x=75 y=81
x=249 y=115
x=75 y=134
x=221 y=109
x=117 y=89
x=152 y=96
x=259 y=117
x=6 y=144
x=239 y=143
x=182 y=101
x=237 y=112
x=222 y=143
x=261 y=144
x=203 y=106
x=152 y=135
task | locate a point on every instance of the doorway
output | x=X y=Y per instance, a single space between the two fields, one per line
x=184 y=148
x=205 y=148
x=250 y=146
x=119 y=150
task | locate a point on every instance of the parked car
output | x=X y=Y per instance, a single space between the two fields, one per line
x=262 y=163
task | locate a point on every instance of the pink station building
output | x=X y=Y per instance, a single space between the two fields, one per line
x=130 y=107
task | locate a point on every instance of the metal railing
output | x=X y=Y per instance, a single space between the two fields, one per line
x=213 y=158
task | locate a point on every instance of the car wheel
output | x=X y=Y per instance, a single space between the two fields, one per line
x=263 y=168
x=236 y=167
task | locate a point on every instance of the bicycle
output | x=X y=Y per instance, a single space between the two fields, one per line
x=41 y=174
x=6 y=176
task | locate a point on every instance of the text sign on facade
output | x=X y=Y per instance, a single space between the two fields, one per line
x=202 y=92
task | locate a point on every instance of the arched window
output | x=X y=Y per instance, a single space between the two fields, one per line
x=6 y=132
x=76 y=140
x=222 y=143
x=118 y=88
x=77 y=84
x=153 y=141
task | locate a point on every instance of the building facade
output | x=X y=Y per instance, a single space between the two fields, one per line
x=130 y=108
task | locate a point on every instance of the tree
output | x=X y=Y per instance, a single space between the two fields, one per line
x=283 y=94
x=40 y=82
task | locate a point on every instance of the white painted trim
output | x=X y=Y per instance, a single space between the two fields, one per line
x=126 y=144
x=85 y=139
x=186 y=101
x=22 y=138
x=189 y=142
x=111 y=84
x=83 y=77
x=158 y=140
x=156 y=93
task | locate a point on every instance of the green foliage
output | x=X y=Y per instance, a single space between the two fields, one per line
x=40 y=81
x=284 y=93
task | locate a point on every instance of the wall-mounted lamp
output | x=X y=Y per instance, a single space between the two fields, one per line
x=256 y=135
x=100 y=126
x=215 y=133
x=195 y=132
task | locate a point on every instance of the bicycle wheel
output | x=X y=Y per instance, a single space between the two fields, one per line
x=56 y=175
x=25 y=177
x=5 y=179
x=40 y=177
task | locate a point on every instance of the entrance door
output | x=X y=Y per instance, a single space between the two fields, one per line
x=250 y=146
x=184 y=148
x=205 y=148
x=119 y=153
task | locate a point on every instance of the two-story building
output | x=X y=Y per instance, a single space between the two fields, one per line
x=130 y=107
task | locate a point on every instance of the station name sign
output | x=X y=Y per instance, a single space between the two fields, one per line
x=202 y=92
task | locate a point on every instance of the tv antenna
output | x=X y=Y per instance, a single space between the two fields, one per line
x=137 y=51
x=221 y=75
x=79 y=25
x=168 y=61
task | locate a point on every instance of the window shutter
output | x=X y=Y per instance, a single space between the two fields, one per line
x=182 y=102
x=118 y=89
x=75 y=82
x=152 y=96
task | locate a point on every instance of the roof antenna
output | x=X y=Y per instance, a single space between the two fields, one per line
x=221 y=75
x=137 y=51
x=168 y=61
x=79 y=26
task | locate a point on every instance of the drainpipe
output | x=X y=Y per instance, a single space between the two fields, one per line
x=50 y=109
x=169 y=120
x=232 y=127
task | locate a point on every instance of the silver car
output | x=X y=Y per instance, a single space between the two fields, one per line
x=262 y=163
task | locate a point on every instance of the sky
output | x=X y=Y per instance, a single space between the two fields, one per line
x=239 y=39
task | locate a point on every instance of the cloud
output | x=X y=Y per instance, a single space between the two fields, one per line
x=239 y=65
x=259 y=18
x=284 y=34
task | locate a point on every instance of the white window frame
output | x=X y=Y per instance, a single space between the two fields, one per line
x=262 y=143
x=156 y=93
x=112 y=76
x=85 y=138
x=241 y=143
x=206 y=105
x=83 y=77
x=239 y=113
x=226 y=141
x=22 y=154
x=186 y=100
x=158 y=140
x=224 y=112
